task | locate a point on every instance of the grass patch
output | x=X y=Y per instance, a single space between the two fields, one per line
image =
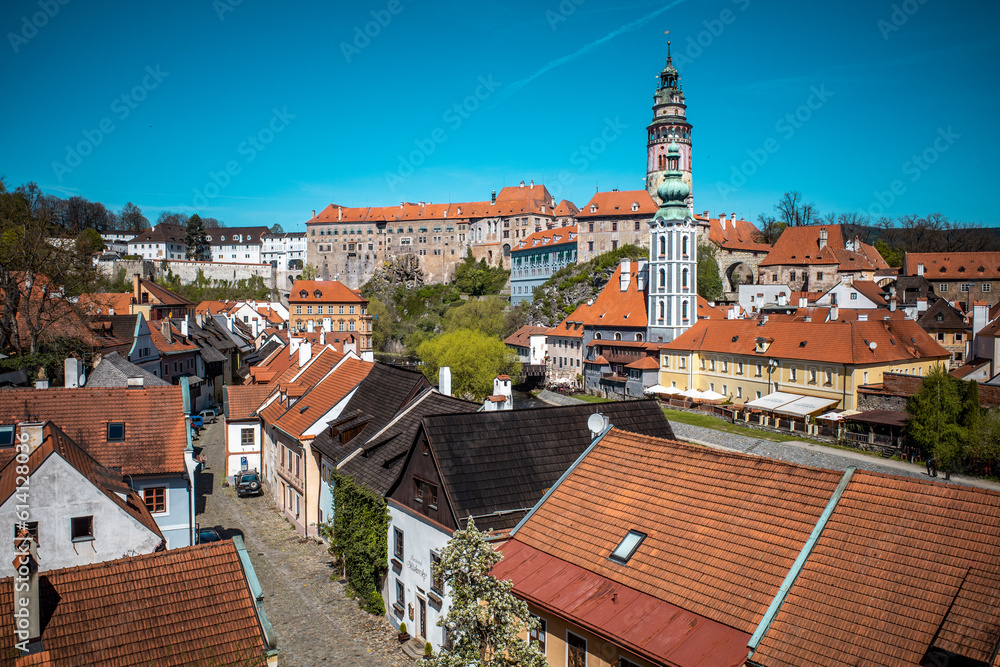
x=591 y=399
x=708 y=421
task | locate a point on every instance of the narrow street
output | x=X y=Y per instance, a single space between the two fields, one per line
x=315 y=622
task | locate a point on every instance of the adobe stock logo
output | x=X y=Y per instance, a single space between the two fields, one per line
x=37 y=21
x=363 y=37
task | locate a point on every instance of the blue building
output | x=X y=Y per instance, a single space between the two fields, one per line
x=534 y=259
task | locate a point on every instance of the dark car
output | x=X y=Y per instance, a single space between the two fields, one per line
x=206 y=535
x=248 y=484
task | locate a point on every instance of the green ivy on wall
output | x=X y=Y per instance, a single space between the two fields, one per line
x=360 y=539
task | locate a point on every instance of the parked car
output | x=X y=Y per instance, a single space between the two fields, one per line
x=206 y=535
x=248 y=484
x=197 y=422
x=208 y=415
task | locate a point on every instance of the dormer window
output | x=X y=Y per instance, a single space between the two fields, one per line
x=627 y=547
x=116 y=431
x=303 y=294
x=317 y=294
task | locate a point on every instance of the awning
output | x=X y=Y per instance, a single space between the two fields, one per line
x=772 y=401
x=806 y=405
x=656 y=389
x=881 y=417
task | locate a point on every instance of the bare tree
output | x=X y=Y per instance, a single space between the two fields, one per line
x=131 y=219
x=794 y=212
x=770 y=228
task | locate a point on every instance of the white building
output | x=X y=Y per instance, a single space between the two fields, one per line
x=285 y=252
x=754 y=297
x=235 y=244
x=117 y=242
x=162 y=242
x=80 y=512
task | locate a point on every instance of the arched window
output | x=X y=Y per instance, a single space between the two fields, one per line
x=684 y=279
x=638 y=337
x=618 y=335
x=597 y=336
x=663 y=280
x=684 y=246
x=661 y=310
x=663 y=245
x=684 y=310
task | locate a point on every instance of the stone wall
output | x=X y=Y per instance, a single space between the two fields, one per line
x=188 y=271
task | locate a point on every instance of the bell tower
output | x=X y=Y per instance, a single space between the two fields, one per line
x=669 y=126
x=673 y=257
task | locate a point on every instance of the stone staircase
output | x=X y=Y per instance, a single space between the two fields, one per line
x=414 y=649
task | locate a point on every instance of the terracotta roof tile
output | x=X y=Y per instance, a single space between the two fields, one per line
x=242 y=401
x=522 y=337
x=155 y=436
x=547 y=238
x=741 y=235
x=615 y=308
x=178 y=607
x=103 y=303
x=330 y=291
x=800 y=246
x=619 y=202
x=971 y=266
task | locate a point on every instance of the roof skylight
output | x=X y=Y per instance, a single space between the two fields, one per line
x=628 y=546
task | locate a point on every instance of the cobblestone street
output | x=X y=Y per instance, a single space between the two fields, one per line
x=315 y=622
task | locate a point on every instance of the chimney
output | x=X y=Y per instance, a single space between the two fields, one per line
x=165 y=330
x=921 y=305
x=184 y=326
x=294 y=343
x=322 y=336
x=314 y=213
x=42 y=382
x=532 y=183
x=834 y=313
x=522 y=184
x=705 y=215
x=722 y=220
x=27 y=612
x=72 y=372
x=626 y=274
x=340 y=213
x=33 y=434
x=305 y=353
x=309 y=326
x=640 y=276
x=892 y=304
x=444 y=380
x=822 y=239
x=493 y=199
x=920 y=269
x=803 y=302
x=782 y=299
x=135 y=287
x=733 y=218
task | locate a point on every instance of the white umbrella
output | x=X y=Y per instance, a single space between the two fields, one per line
x=656 y=389
x=831 y=416
x=711 y=396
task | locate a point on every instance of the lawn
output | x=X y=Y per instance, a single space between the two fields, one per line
x=708 y=421
x=591 y=399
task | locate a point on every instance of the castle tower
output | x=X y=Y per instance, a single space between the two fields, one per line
x=673 y=256
x=669 y=125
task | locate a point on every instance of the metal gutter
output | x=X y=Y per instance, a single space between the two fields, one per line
x=566 y=474
x=793 y=573
x=255 y=591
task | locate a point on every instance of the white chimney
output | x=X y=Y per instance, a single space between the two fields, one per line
x=305 y=353
x=184 y=326
x=834 y=313
x=803 y=302
x=782 y=299
x=705 y=215
x=444 y=379
x=626 y=274
x=294 y=343
x=340 y=213
x=322 y=336
x=733 y=218
x=892 y=304
x=309 y=326
x=314 y=213
x=722 y=221
x=72 y=372
x=640 y=275
x=327 y=325
x=921 y=305
x=822 y=239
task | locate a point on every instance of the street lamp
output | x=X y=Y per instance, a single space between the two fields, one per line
x=771 y=365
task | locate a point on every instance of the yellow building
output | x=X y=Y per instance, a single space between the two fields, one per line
x=331 y=306
x=746 y=360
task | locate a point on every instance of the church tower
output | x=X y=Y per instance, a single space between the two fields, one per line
x=673 y=256
x=669 y=126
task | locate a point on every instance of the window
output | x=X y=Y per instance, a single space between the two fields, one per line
x=82 y=528
x=683 y=363
x=623 y=552
x=812 y=376
x=298 y=310
x=966 y=287
x=6 y=436
x=437 y=581
x=576 y=651
x=760 y=370
x=739 y=392
x=625 y=662
x=246 y=437
x=739 y=368
x=155 y=499
x=537 y=636
x=829 y=379
x=819 y=275
x=31 y=526
x=309 y=310
x=400 y=604
x=397 y=543
x=792 y=374
x=725 y=366
x=340 y=310
x=987 y=287
x=116 y=431
x=944 y=287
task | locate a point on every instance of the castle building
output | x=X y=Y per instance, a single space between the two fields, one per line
x=669 y=126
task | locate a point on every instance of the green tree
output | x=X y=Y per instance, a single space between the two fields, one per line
x=309 y=272
x=197 y=244
x=89 y=241
x=485 y=619
x=985 y=444
x=485 y=314
x=360 y=539
x=709 y=281
x=276 y=229
x=474 y=358
x=478 y=278
x=933 y=419
x=131 y=219
x=892 y=256
x=381 y=324
x=770 y=228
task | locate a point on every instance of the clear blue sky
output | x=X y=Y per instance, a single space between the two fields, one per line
x=200 y=78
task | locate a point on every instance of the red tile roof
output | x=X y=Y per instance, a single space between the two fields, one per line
x=572 y=326
x=833 y=342
x=330 y=291
x=242 y=401
x=163 y=295
x=102 y=303
x=522 y=337
x=970 y=266
x=178 y=343
x=178 y=607
x=162 y=233
x=646 y=363
x=214 y=307
x=740 y=235
x=727 y=544
x=619 y=202
x=614 y=308
x=409 y=212
x=566 y=209
x=870 y=290
x=799 y=246
x=547 y=238
x=155 y=435
x=521 y=192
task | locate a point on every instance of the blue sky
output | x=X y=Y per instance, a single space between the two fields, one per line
x=258 y=112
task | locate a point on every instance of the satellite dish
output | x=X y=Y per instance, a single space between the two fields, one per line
x=596 y=422
x=873 y=345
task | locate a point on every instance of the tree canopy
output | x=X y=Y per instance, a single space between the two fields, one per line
x=475 y=360
x=485 y=620
x=478 y=278
x=709 y=281
x=197 y=243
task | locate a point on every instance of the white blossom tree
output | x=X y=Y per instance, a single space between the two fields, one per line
x=485 y=620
